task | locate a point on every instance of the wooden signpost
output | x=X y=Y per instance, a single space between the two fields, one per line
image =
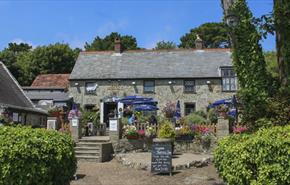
x=161 y=158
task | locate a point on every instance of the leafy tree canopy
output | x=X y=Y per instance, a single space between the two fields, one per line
x=26 y=63
x=271 y=61
x=165 y=45
x=214 y=35
x=107 y=43
x=9 y=56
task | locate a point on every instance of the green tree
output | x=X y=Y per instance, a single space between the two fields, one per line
x=249 y=63
x=165 y=45
x=54 y=58
x=107 y=43
x=10 y=54
x=282 y=27
x=214 y=35
x=26 y=63
x=272 y=65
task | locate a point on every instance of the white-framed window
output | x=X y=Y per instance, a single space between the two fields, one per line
x=229 y=79
x=189 y=86
x=91 y=87
x=149 y=86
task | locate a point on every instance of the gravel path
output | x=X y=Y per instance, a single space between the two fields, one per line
x=113 y=173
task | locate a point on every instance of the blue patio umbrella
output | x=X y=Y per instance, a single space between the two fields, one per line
x=177 y=112
x=221 y=102
x=232 y=113
x=129 y=100
x=145 y=107
x=150 y=102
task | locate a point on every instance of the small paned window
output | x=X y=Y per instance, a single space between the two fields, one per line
x=189 y=86
x=149 y=86
x=229 y=79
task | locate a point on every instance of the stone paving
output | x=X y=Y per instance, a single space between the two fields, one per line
x=179 y=161
x=114 y=173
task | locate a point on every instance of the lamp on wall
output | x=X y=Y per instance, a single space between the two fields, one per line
x=170 y=82
x=231 y=20
x=76 y=84
x=133 y=83
x=208 y=82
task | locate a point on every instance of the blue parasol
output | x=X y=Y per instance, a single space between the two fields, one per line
x=177 y=112
x=221 y=102
x=145 y=108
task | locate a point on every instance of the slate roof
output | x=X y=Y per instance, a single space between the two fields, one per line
x=11 y=94
x=151 y=64
x=55 y=96
x=51 y=80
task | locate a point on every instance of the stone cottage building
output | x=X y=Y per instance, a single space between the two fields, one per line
x=15 y=105
x=195 y=77
x=49 y=90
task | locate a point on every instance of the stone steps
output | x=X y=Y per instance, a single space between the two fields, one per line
x=91 y=149
x=88 y=158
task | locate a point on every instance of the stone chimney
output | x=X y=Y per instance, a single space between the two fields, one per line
x=117 y=45
x=199 y=44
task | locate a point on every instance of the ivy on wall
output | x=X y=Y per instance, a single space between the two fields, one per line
x=249 y=63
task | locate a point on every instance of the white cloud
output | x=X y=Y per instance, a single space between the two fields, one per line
x=19 y=40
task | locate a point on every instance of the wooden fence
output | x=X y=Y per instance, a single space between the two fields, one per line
x=143 y=126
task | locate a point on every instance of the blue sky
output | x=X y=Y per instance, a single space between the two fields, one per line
x=41 y=22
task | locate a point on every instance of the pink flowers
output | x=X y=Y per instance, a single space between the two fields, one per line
x=141 y=133
x=200 y=129
x=239 y=129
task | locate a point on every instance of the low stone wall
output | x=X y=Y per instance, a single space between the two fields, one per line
x=140 y=145
x=129 y=145
x=142 y=160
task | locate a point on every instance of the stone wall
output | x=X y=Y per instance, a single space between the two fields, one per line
x=139 y=145
x=163 y=91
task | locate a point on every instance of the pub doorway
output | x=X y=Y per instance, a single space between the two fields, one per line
x=110 y=111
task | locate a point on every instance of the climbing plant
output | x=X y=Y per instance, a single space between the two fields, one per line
x=282 y=28
x=249 y=63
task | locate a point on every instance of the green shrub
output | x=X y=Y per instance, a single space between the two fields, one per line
x=212 y=116
x=35 y=156
x=201 y=113
x=195 y=119
x=166 y=130
x=255 y=159
x=90 y=116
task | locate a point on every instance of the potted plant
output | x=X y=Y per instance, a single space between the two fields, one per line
x=130 y=132
x=167 y=133
x=169 y=110
x=184 y=133
x=141 y=134
x=54 y=112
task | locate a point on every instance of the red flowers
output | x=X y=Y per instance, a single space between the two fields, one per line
x=239 y=129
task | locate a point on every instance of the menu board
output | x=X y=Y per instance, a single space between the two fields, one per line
x=161 y=158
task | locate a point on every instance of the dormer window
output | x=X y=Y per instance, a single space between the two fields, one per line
x=229 y=79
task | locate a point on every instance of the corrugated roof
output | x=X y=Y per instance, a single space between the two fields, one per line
x=51 y=80
x=151 y=64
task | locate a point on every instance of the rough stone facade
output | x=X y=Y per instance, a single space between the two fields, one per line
x=164 y=92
